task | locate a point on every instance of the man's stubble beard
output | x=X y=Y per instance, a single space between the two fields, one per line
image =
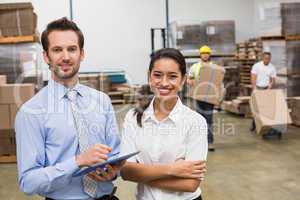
x=59 y=73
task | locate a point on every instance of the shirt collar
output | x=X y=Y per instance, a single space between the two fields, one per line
x=59 y=90
x=173 y=116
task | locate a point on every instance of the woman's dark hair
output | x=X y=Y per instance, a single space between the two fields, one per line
x=62 y=24
x=145 y=91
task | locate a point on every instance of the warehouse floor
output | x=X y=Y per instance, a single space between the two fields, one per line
x=243 y=166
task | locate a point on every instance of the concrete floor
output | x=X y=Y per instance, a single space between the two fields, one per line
x=243 y=166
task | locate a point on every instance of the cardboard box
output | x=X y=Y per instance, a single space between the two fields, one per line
x=7 y=147
x=2 y=79
x=209 y=85
x=270 y=110
x=13 y=109
x=237 y=106
x=7 y=133
x=22 y=20
x=16 y=93
x=8 y=115
x=4 y=116
x=7 y=142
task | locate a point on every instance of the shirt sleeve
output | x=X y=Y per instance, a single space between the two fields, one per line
x=196 y=143
x=254 y=69
x=191 y=73
x=128 y=136
x=111 y=129
x=273 y=73
x=34 y=176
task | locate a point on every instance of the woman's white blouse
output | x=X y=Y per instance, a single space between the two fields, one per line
x=182 y=135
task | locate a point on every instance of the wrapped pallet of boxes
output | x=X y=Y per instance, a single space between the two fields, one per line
x=2 y=79
x=270 y=21
x=294 y=106
x=269 y=109
x=22 y=20
x=293 y=57
x=187 y=35
x=220 y=36
x=290 y=18
x=276 y=18
x=12 y=96
x=289 y=84
x=209 y=85
x=21 y=63
x=231 y=82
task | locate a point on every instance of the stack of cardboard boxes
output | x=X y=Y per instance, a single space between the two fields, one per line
x=270 y=110
x=12 y=96
x=239 y=106
x=276 y=18
x=19 y=50
x=218 y=34
x=98 y=81
x=17 y=19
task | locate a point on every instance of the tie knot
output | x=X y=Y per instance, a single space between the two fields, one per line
x=72 y=95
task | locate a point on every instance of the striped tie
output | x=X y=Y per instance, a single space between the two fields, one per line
x=89 y=185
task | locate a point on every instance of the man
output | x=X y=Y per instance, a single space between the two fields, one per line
x=204 y=108
x=66 y=126
x=263 y=76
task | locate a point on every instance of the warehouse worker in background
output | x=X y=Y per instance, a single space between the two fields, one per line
x=263 y=76
x=204 y=108
x=66 y=126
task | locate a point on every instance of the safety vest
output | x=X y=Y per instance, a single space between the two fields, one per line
x=196 y=68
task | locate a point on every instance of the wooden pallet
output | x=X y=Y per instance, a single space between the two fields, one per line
x=118 y=101
x=245 y=74
x=117 y=97
x=245 y=68
x=292 y=37
x=245 y=60
x=19 y=39
x=8 y=159
x=275 y=37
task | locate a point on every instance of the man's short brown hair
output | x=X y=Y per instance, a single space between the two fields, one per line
x=62 y=24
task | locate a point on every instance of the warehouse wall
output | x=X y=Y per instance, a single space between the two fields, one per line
x=239 y=10
x=118 y=32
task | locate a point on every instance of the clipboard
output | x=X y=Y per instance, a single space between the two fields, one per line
x=111 y=161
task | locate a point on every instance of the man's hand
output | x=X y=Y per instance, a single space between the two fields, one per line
x=109 y=173
x=191 y=82
x=93 y=155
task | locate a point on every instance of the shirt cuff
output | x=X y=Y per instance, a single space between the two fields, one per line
x=69 y=166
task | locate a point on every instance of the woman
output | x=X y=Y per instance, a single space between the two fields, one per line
x=171 y=138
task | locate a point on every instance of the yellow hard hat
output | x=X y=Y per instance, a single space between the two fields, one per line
x=205 y=49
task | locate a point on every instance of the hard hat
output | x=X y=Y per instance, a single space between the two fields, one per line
x=205 y=49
